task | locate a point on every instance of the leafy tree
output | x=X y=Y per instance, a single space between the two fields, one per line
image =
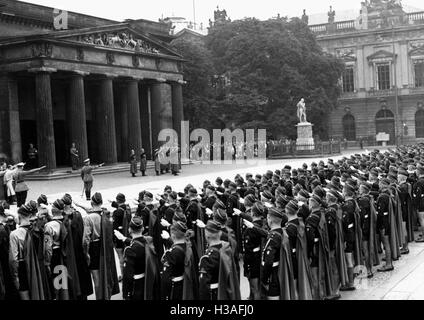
x=198 y=94
x=271 y=65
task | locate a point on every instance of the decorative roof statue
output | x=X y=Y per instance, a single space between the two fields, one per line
x=331 y=15
x=305 y=17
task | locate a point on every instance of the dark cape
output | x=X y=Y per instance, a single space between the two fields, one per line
x=285 y=270
x=84 y=276
x=38 y=244
x=326 y=275
x=109 y=285
x=340 y=254
x=228 y=283
x=394 y=238
x=304 y=277
x=372 y=241
x=35 y=281
x=357 y=254
x=191 y=280
x=152 y=273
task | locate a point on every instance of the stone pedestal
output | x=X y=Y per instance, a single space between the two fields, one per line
x=305 y=140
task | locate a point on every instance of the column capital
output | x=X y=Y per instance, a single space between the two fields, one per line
x=42 y=69
x=80 y=73
x=182 y=82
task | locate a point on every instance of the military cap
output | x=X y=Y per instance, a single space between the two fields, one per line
x=148 y=196
x=282 y=200
x=305 y=194
x=211 y=187
x=365 y=188
x=167 y=188
x=316 y=198
x=213 y=227
x=232 y=185
x=249 y=200
x=319 y=191
x=67 y=199
x=349 y=188
x=136 y=223
x=220 y=215
x=258 y=209
x=219 y=204
x=173 y=195
x=275 y=212
x=28 y=209
x=248 y=175
x=179 y=215
x=267 y=195
x=97 y=198
x=42 y=199
x=292 y=207
x=332 y=195
x=120 y=198
x=218 y=180
x=179 y=227
x=59 y=204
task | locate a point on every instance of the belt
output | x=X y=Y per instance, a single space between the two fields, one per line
x=350 y=226
x=276 y=264
x=177 y=279
x=213 y=286
x=316 y=239
x=256 y=249
x=95 y=240
x=138 y=276
x=56 y=247
x=293 y=250
x=366 y=216
x=385 y=213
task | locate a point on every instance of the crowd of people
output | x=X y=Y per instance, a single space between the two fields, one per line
x=295 y=234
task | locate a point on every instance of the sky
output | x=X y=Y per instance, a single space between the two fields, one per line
x=236 y=9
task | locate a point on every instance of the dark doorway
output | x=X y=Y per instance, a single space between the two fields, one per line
x=91 y=141
x=61 y=144
x=28 y=135
x=385 y=122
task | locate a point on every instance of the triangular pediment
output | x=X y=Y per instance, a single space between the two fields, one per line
x=119 y=37
x=417 y=52
x=380 y=54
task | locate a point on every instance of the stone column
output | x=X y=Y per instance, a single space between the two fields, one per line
x=44 y=118
x=177 y=108
x=105 y=118
x=134 y=120
x=145 y=115
x=10 y=129
x=123 y=121
x=161 y=98
x=76 y=115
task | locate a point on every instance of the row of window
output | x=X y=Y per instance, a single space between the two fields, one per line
x=383 y=76
x=384 y=122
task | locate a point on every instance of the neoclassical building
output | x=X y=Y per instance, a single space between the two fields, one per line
x=383 y=82
x=108 y=86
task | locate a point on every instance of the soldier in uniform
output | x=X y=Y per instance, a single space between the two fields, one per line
x=209 y=263
x=133 y=280
x=383 y=223
x=405 y=191
x=418 y=195
x=121 y=220
x=173 y=263
x=270 y=259
x=74 y=156
x=133 y=163
x=143 y=162
x=348 y=219
x=87 y=177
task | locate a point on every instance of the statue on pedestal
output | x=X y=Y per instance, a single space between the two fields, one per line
x=301 y=111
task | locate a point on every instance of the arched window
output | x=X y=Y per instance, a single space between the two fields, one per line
x=419 y=124
x=349 y=128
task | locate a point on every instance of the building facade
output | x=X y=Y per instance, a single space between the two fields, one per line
x=108 y=86
x=383 y=82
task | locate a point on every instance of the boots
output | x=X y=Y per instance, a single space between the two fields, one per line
x=388 y=253
x=88 y=195
x=349 y=286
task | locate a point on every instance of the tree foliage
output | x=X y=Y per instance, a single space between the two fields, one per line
x=271 y=65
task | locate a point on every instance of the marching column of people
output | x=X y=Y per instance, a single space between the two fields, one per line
x=295 y=234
